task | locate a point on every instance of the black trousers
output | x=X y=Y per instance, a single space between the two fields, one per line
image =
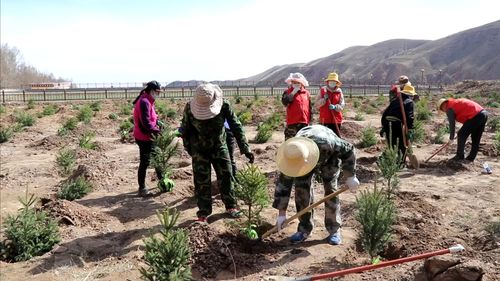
x=473 y=127
x=394 y=136
x=145 y=150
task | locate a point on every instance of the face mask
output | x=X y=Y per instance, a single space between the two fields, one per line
x=332 y=84
x=296 y=85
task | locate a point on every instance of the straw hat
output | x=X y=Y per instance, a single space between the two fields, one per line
x=440 y=102
x=409 y=90
x=297 y=156
x=207 y=101
x=297 y=77
x=333 y=77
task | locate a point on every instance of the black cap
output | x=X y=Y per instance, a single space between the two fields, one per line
x=153 y=85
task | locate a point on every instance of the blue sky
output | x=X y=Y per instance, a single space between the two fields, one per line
x=90 y=41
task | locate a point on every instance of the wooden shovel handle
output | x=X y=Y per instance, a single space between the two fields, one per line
x=439 y=150
x=305 y=210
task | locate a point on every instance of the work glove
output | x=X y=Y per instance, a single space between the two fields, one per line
x=279 y=222
x=332 y=107
x=381 y=133
x=352 y=183
x=250 y=157
x=338 y=108
x=411 y=135
x=325 y=96
x=161 y=124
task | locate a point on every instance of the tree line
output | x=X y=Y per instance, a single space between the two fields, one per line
x=14 y=72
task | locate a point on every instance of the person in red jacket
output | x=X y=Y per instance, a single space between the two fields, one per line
x=297 y=100
x=145 y=127
x=472 y=116
x=330 y=102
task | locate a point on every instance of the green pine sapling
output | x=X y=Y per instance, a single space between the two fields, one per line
x=165 y=148
x=252 y=190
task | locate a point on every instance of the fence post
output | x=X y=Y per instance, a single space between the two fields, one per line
x=255 y=92
x=364 y=90
x=44 y=96
x=350 y=91
x=3 y=96
x=182 y=91
x=85 y=94
x=237 y=91
x=378 y=90
x=64 y=91
x=24 y=96
x=126 y=94
x=272 y=91
x=106 y=93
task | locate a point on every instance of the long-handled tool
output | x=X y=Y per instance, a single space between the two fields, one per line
x=454 y=249
x=437 y=151
x=413 y=159
x=305 y=210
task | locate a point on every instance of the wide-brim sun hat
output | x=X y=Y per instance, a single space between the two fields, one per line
x=440 y=102
x=333 y=77
x=207 y=101
x=409 y=90
x=297 y=77
x=402 y=79
x=297 y=156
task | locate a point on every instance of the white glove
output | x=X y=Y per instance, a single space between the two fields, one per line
x=294 y=91
x=352 y=183
x=279 y=222
x=338 y=108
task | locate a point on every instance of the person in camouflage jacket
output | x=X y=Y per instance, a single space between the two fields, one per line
x=333 y=153
x=204 y=138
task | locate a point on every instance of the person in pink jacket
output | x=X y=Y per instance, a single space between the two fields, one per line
x=145 y=127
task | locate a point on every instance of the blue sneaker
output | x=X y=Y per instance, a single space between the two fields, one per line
x=299 y=237
x=335 y=239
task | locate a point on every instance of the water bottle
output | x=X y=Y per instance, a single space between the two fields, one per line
x=487 y=169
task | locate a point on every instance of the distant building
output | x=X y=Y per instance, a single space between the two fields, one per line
x=50 y=85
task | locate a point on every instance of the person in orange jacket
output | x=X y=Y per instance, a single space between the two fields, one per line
x=330 y=102
x=472 y=116
x=297 y=100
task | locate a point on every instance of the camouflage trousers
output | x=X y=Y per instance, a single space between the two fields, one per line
x=291 y=130
x=304 y=197
x=202 y=171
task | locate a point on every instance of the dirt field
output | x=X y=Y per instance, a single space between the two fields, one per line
x=439 y=205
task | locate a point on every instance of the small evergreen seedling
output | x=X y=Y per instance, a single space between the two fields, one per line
x=376 y=214
x=29 y=233
x=264 y=133
x=251 y=188
x=65 y=159
x=31 y=104
x=74 y=189
x=85 y=114
x=24 y=119
x=96 y=106
x=5 y=134
x=167 y=256
x=368 y=137
x=86 y=139
x=165 y=148
x=389 y=165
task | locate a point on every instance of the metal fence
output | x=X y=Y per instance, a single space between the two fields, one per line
x=12 y=96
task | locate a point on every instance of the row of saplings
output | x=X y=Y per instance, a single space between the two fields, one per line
x=31 y=232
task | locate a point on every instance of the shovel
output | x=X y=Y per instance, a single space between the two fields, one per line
x=413 y=159
x=305 y=210
x=437 y=151
x=454 y=249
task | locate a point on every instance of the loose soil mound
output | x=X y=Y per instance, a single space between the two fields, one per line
x=72 y=213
